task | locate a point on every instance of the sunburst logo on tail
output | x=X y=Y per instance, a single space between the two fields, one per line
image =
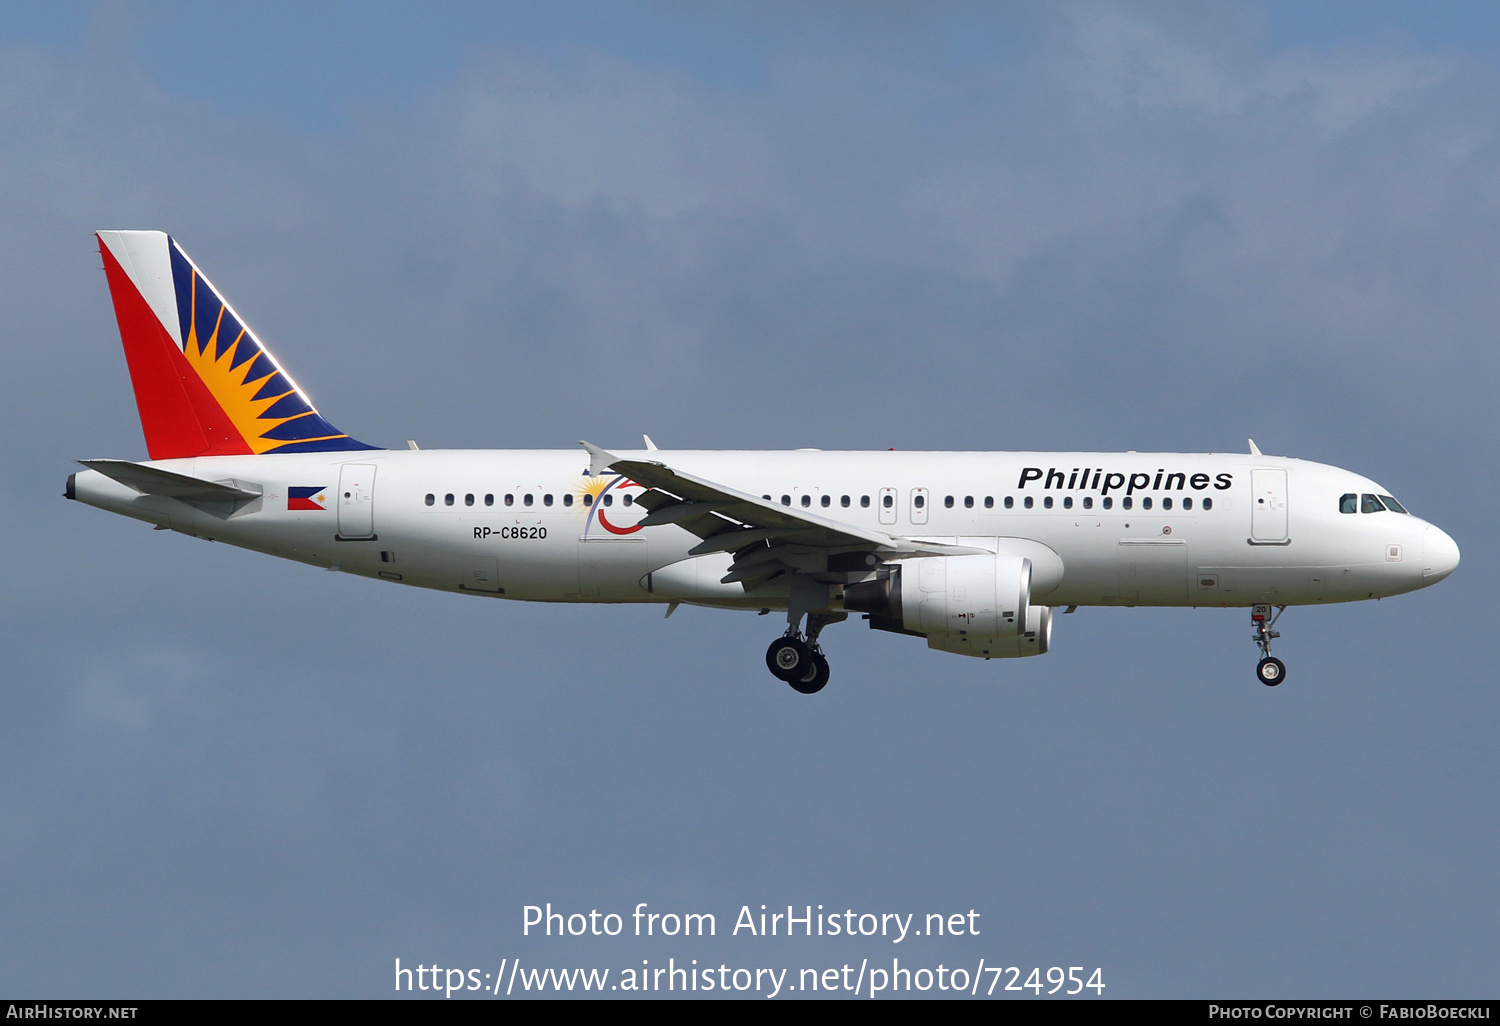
x=261 y=400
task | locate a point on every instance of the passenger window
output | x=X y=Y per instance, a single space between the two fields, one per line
x=1208 y=504
x=1392 y=505
x=526 y=499
x=567 y=500
x=919 y=501
x=1067 y=502
x=489 y=499
x=1010 y=502
x=1088 y=502
x=1187 y=503
x=1108 y=502
x=1127 y=503
x=1369 y=504
x=786 y=500
x=806 y=501
x=1166 y=503
x=1047 y=502
x=588 y=500
x=1348 y=503
x=627 y=499
x=1029 y=502
x=888 y=501
x=968 y=502
x=827 y=501
x=844 y=501
x=469 y=499
x=430 y=498
x=1146 y=502
x=864 y=502
x=609 y=500
x=989 y=502
x=510 y=500
x=448 y=499
x=947 y=502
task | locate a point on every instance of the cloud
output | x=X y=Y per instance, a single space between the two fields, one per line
x=1159 y=187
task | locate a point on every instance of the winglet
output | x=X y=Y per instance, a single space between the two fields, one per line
x=599 y=460
x=650 y=445
x=1254 y=449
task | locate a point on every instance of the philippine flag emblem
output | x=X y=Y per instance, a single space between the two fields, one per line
x=306 y=498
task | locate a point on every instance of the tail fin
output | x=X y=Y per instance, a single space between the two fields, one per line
x=204 y=384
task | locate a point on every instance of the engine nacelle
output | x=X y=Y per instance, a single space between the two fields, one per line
x=982 y=595
x=1032 y=642
x=978 y=605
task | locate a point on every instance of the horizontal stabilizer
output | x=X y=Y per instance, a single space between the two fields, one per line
x=155 y=481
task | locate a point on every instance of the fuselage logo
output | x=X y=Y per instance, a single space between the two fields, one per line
x=598 y=493
x=1104 y=481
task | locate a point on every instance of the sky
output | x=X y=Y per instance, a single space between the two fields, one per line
x=1082 y=226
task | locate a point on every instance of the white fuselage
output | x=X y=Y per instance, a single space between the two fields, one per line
x=1164 y=529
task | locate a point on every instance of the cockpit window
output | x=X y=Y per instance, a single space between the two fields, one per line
x=1392 y=505
x=1348 y=503
x=1369 y=504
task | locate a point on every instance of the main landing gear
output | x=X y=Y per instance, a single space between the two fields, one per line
x=798 y=660
x=798 y=663
x=1270 y=671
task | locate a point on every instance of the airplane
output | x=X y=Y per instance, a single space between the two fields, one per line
x=971 y=551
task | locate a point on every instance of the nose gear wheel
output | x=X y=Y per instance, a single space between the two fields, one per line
x=1270 y=671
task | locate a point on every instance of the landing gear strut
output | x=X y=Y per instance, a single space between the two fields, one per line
x=1270 y=671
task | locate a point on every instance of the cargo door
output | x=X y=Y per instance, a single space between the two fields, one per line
x=1152 y=573
x=482 y=573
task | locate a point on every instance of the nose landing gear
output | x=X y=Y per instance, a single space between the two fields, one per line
x=1270 y=671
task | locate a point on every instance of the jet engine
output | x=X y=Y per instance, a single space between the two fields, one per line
x=978 y=605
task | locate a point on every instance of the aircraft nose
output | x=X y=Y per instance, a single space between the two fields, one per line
x=1439 y=555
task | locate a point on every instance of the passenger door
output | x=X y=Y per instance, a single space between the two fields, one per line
x=1268 y=513
x=356 y=501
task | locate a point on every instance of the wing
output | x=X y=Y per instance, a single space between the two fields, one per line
x=766 y=537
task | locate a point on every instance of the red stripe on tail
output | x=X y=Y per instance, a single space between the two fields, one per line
x=179 y=416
